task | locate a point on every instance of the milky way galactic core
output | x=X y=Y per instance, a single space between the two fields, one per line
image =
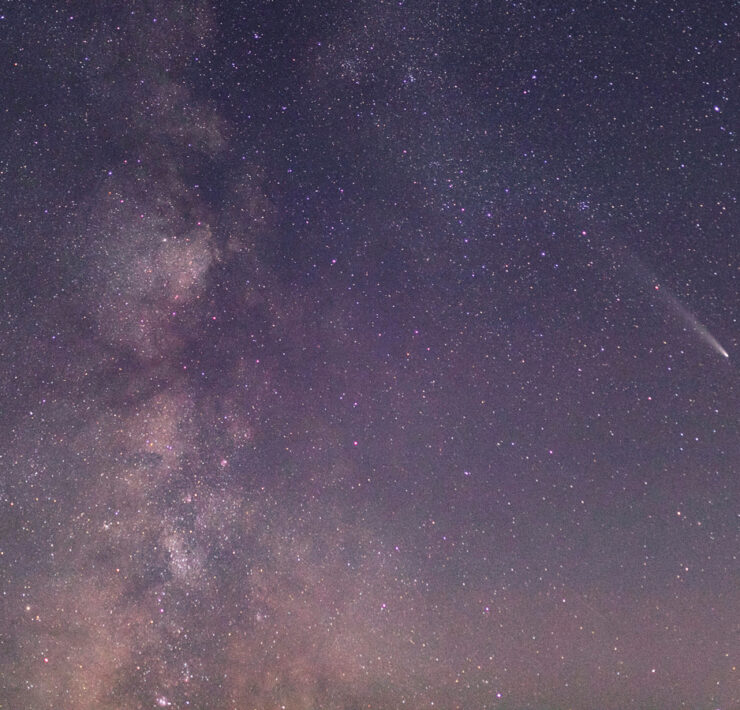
x=367 y=355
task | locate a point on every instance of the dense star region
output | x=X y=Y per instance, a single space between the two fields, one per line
x=369 y=355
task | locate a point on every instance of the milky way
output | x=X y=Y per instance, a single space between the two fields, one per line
x=323 y=383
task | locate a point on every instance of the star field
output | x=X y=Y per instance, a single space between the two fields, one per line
x=369 y=355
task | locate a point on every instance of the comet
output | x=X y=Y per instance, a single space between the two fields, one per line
x=692 y=321
x=673 y=305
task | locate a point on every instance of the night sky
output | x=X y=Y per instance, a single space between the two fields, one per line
x=369 y=355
